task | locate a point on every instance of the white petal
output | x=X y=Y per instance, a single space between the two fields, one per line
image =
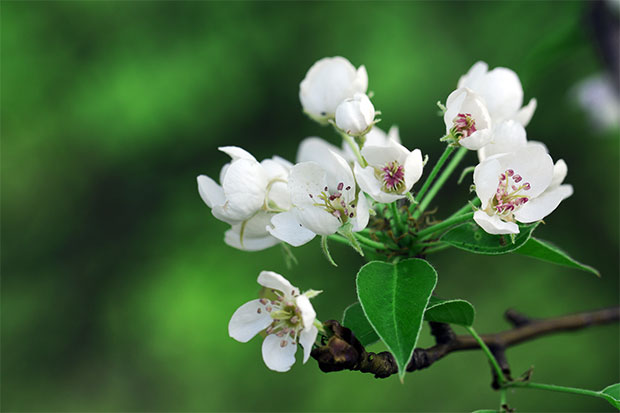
x=307 y=311
x=474 y=77
x=237 y=153
x=494 y=225
x=233 y=239
x=503 y=93
x=533 y=164
x=314 y=149
x=360 y=84
x=486 y=179
x=210 y=192
x=414 y=164
x=275 y=281
x=477 y=139
x=244 y=185
x=276 y=357
x=316 y=219
x=285 y=227
x=560 y=169
x=508 y=136
x=247 y=322
x=279 y=195
x=524 y=115
x=275 y=169
x=360 y=221
x=379 y=156
x=307 y=337
x=538 y=208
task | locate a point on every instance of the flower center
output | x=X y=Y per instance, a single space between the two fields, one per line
x=392 y=176
x=334 y=203
x=464 y=125
x=508 y=197
x=287 y=321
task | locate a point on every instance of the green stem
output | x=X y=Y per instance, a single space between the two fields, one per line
x=502 y=400
x=433 y=250
x=369 y=242
x=342 y=240
x=561 y=389
x=467 y=208
x=440 y=181
x=498 y=370
x=397 y=218
x=444 y=224
x=444 y=157
x=356 y=150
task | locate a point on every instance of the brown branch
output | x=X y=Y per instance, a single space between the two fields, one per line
x=341 y=350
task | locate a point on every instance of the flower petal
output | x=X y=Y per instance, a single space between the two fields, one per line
x=307 y=311
x=533 y=164
x=508 y=136
x=285 y=227
x=314 y=149
x=233 y=239
x=494 y=225
x=486 y=179
x=245 y=186
x=379 y=156
x=210 y=192
x=560 y=170
x=276 y=357
x=414 y=165
x=275 y=281
x=361 y=214
x=524 y=115
x=477 y=139
x=237 y=153
x=307 y=337
x=538 y=208
x=503 y=93
x=247 y=322
x=474 y=77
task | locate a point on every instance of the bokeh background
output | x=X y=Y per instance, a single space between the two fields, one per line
x=116 y=285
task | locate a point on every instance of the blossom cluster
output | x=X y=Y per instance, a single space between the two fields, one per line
x=337 y=188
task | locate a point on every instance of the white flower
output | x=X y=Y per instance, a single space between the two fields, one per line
x=522 y=186
x=328 y=82
x=355 y=115
x=324 y=198
x=251 y=192
x=502 y=91
x=287 y=319
x=467 y=119
x=391 y=172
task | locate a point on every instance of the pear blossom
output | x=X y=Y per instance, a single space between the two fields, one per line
x=391 y=172
x=250 y=193
x=502 y=92
x=324 y=198
x=522 y=186
x=287 y=319
x=375 y=137
x=328 y=82
x=355 y=115
x=467 y=119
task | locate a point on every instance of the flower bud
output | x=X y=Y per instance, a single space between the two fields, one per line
x=355 y=116
x=328 y=82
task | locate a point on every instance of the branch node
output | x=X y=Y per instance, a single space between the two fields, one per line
x=516 y=318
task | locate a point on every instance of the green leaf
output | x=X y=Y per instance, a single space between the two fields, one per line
x=347 y=231
x=325 y=249
x=613 y=393
x=470 y=237
x=355 y=319
x=393 y=298
x=458 y=312
x=545 y=251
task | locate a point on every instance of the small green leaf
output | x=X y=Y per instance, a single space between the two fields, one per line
x=458 y=312
x=613 y=393
x=325 y=249
x=545 y=251
x=347 y=231
x=354 y=319
x=393 y=298
x=470 y=237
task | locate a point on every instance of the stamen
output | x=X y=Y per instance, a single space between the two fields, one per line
x=283 y=343
x=393 y=177
x=464 y=125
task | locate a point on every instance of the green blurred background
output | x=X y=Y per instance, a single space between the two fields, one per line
x=116 y=285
